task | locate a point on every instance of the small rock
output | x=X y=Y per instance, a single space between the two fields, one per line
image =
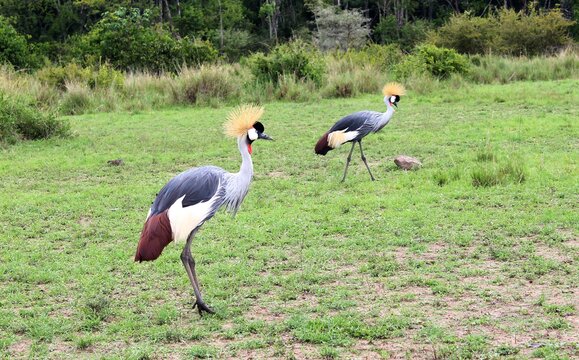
x=407 y=162
x=117 y=162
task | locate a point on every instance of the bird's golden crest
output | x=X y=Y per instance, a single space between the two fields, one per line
x=394 y=89
x=241 y=119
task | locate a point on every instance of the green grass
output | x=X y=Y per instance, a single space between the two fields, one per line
x=420 y=264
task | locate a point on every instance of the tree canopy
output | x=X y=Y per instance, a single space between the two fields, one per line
x=79 y=29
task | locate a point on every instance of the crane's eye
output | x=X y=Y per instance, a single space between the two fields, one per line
x=252 y=134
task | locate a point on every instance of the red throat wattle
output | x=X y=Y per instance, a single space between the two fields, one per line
x=249 y=149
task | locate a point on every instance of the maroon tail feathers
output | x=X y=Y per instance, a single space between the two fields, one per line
x=155 y=236
x=322 y=147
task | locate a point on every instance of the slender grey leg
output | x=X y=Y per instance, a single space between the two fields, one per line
x=364 y=160
x=348 y=161
x=189 y=264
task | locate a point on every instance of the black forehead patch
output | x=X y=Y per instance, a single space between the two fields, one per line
x=258 y=126
x=397 y=98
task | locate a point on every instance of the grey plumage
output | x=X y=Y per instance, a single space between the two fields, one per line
x=353 y=128
x=191 y=198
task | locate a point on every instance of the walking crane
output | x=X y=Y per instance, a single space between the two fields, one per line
x=354 y=127
x=194 y=196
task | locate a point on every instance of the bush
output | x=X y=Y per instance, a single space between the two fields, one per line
x=294 y=58
x=430 y=59
x=19 y=120
x=14 y=48
x=467 y=34
x=533 y=34
x=130 y=40
x=507 y=32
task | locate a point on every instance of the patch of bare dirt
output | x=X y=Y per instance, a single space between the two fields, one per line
x=278 y=175
x=399 y=348
x=61 y=347
x=264 y=313
x=20 y=347
x=552 y=253
x=85 y=221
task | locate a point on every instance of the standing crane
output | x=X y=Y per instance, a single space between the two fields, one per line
x=354 y=127
x=194 y=196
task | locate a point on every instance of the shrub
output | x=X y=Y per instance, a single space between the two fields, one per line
x=294 y=58
x=467 y=34
x=14 y=48
x=19 y=120
x=129 y=40
x=438 y=62
x=533 y=34
x=506 y=32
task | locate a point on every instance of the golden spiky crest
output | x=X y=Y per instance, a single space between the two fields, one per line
x=241 y=119
x=394 y=89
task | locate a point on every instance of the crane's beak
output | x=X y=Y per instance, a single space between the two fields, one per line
x=263 y=136
x=395 y=105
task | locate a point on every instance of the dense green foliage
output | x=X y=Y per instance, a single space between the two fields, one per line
x=129 y=40
x=294 y=58
x=19 y=120
x=14 y=48
x=388 y=31
x=435 y=61
x=407 y=266
x=163 y=35
x=507 y=32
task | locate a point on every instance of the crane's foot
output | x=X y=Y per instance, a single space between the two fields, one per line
x=202 y=307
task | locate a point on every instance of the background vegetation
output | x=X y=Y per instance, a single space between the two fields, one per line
x=76 y=56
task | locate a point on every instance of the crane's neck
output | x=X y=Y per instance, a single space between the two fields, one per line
x=246 y=170
x=237 y=184
x=385 y=118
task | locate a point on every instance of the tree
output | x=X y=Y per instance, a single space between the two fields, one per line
x=340 y=29
x=14 y=48
x=270 y=11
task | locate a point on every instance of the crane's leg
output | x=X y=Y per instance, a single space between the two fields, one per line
x=189 y=264
x=348 y=161
x=364 y=160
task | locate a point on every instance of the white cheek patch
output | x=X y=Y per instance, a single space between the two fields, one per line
x=252 y=134
x=392 y=99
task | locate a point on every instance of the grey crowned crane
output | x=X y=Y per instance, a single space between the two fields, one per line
x=194 y=196
x=354 y=127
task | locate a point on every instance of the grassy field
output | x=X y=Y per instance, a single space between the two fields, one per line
x=472 y=256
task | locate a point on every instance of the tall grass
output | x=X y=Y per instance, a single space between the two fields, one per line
x=501 y=69
x=347 y=74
